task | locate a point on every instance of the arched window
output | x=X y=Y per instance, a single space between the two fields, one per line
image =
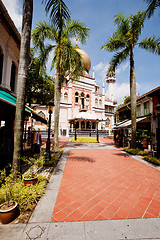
x=13 y=77
x=100 y=103
x=96 y=102
x=82 y=100
x=65 y=96
x=87 y=100
x=108 y=121
x=76 y=97
x=1 y=64
x=42 y=114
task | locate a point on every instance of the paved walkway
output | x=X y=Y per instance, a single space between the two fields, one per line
x=96 y=193
x=102 y=184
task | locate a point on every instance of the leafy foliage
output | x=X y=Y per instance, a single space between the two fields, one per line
x=59 y=12
x=147 y=157
x=153 y=5
x=39 y=86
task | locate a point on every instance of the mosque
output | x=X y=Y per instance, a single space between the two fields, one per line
x=82 y=105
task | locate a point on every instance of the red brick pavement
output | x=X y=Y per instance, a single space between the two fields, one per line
x=62 y=143
x=102 y=184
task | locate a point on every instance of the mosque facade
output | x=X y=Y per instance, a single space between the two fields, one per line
x=82 y=105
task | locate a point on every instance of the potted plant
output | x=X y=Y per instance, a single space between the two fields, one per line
x=8 y=208
x=30 y=177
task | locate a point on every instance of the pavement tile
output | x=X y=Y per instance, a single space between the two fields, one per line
x=108 y=183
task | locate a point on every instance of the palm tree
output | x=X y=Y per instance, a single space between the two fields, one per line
x=59 y=13
x=153 y=4
x=22 y=76
x=124 y=40
x=65 y=58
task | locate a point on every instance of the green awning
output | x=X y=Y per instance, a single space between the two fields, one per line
x=9 y=99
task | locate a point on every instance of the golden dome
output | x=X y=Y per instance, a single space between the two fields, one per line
x=85 y=58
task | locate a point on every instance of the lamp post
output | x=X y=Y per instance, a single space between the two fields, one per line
x=157 y=110
x=97 y=131
x=48 y=144
x=75 y=135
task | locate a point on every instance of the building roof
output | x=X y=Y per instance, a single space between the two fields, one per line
x=7 y=22
x=150 y=93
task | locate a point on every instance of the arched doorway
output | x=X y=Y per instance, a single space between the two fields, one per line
x=93 y=125
x=82 y=125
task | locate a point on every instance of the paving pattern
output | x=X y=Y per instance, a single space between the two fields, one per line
x=103 y=184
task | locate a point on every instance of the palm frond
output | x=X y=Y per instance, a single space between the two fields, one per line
x=122 y=23
x=59 y=12
x=68 y=59
x=44 y=54
x=43 y=31
x=152 y=44
x=117 y=59
x=114 y=43
x=136 y=24
x=78 y=28
x=153 y=5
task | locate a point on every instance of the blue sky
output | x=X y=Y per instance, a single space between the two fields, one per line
x=98 y=16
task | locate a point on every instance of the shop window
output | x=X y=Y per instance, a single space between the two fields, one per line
x=76 y=97
x=1 y=64
x=138 y=110
x=146 y=108
x=13 y=77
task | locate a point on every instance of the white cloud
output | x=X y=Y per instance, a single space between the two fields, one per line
x=101 y=70
x=15 y=11
x=122 y=68
x=121 y=91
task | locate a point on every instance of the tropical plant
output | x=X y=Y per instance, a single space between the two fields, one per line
x=21 y=82
x=124 y=40
x=59 y=13
x=39 y=85
x=65 y=58
x=152 y=6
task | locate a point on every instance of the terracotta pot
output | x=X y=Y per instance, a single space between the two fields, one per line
x=30 y=181
x=8 y=215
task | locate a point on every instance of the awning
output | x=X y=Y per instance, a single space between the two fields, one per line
x=127 y=123
x=10 y=100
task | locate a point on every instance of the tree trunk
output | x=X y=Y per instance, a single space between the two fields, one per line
x=57 y=97
x=21 y=83
x=133 y=99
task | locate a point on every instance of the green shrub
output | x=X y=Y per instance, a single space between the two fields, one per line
x=153 y=160
x=84 y=140
x=23 y=195
x=147 y=157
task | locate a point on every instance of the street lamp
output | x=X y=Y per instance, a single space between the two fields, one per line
x=48 y=144
x=75 y=135
x=97 y=131
x=157 y=110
